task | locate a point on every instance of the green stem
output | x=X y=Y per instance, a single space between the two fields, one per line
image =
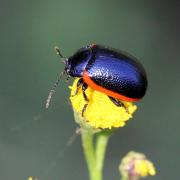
x=101 y=144
x=94 y=155
x=88 y=147
x=124 y=178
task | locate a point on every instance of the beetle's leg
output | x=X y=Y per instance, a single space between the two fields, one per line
x=118 y=103
x=84 y=87
x=84 y=109
x=79 y=83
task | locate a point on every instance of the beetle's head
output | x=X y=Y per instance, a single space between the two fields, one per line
x=76 y=64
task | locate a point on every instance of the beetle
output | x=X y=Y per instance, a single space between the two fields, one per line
x=115 y=73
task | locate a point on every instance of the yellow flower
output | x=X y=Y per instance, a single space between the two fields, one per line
x=31 y=178
x=135 y=165
x=101 y=111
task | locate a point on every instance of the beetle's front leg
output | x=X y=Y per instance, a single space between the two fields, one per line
x=84 y=87
x=79 y=83
x=118 y=103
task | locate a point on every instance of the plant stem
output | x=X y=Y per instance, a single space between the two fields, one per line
x=94 y=155
x=88 y=147
x=124 y=178
x=101 y=144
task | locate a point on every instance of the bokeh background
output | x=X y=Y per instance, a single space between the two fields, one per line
x=32 y=139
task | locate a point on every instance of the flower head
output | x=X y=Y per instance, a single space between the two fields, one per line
x=31 y=178
x=101 y=111
x=135 y=165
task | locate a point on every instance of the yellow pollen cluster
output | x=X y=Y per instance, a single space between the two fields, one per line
x=144 y=168
x=101 y=112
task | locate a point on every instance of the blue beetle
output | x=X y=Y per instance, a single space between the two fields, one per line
x=112 y=72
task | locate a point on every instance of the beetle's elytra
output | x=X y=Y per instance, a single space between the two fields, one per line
x=112 y=72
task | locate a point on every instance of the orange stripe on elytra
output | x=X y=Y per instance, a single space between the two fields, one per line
x=108 y=92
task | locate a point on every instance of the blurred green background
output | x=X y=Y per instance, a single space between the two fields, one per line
x=32 y=139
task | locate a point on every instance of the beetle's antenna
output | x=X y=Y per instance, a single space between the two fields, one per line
x=53 y=90
x=58 y=52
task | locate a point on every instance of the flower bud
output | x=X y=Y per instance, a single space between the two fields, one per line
x=135 y=165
